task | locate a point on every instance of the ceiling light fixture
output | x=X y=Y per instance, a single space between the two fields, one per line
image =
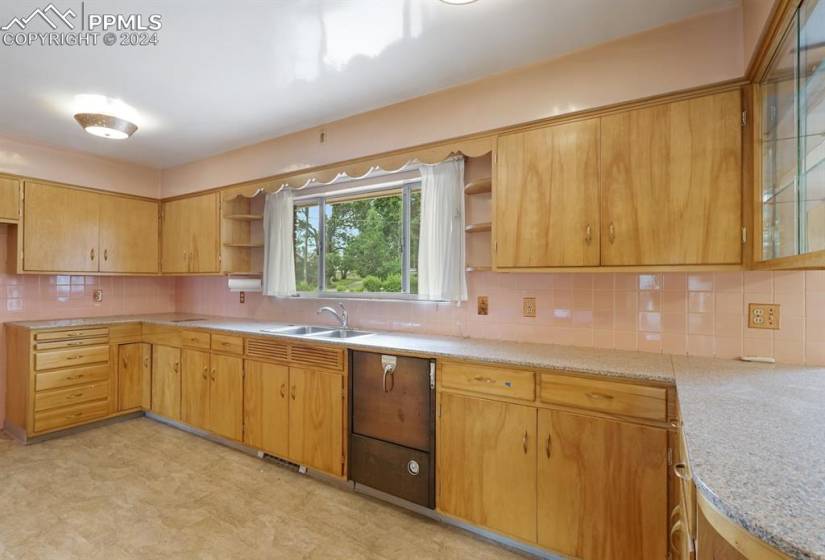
x=458 y=2
x=106 y=126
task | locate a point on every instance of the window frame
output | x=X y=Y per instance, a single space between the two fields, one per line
x=404 y=187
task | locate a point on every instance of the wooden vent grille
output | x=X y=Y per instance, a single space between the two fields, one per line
x=328 y=358
x=267 y=349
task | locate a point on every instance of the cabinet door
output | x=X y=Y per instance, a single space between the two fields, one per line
x=133 y=374
x=191 y=234
x=486 y=453
x=547 y=196
x=316 y=419
x=129 y=238
x=226 y=397
x=194 y=388
x=166 y=381
x=60 y=229
x=671 y=183
x=9 y=199
x=266 y=407
x=602 y=487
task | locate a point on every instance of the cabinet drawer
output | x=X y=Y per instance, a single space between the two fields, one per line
x=70 y=415
x=70 y=396
x=129 y=330
x=71 y=357
x=162 y=334
x=70 y=377
x=624 y=399
x=226 y=343
x=73 y=333
x=71 y=343
x=515 y=384
x=195 y=339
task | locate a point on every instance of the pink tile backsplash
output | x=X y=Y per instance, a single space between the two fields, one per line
x=701 y=313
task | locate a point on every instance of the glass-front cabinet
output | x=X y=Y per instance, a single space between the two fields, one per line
x=793 y=139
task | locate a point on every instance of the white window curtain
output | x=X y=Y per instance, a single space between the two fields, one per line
x=279 y=259
x=441 y=259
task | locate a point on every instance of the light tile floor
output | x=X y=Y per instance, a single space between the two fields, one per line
x=140 y=489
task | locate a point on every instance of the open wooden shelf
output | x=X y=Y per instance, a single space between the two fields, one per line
x=244 y=245
x=244 y=217
x=479 y=186
x=476 y=228
x=479 y=268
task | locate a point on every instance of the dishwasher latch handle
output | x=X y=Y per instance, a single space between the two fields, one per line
x=389 y=363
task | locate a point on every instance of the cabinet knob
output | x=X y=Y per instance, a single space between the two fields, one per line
x=524 y=442
x=588 y=234
x=92 y=254
x=105 y=254
x=283 y=390
x=204 y=372
x=611 y=232
x=213 y=374
x=548 y=447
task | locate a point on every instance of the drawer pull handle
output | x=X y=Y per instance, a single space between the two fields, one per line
x=73 y=377
x=74 y=357
x=524 y=442
x=548 y=448
x=75 y=343
x=680 y=470
x=588 y=234
x=76 y=395
x=482 y=379
x=72 y=334
x=283 y=390
x=75 y=415
x=675 y=530
x=600 y=396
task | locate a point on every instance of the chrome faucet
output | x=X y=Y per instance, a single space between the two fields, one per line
x=343 y=316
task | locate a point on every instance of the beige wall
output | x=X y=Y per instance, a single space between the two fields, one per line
x=698 y=51
x=77 y=168
x=754 y=16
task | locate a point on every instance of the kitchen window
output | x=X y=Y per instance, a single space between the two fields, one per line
x=360 y=241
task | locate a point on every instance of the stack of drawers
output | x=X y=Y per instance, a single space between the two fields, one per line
x=72 y=377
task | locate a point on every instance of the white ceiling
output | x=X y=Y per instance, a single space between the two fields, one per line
x=231 y=73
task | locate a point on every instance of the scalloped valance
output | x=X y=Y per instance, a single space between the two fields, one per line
x=361 y=168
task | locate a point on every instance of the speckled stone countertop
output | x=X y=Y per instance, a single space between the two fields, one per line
x=755 y=435
x=616 y=363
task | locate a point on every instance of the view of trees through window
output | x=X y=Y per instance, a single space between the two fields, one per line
x=363 y=243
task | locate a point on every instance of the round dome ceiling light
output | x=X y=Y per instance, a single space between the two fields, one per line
x=458 y=2
x=105 y=126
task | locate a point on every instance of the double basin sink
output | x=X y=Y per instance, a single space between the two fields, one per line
x=317 y=332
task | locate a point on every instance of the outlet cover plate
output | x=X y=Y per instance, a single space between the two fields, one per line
x=528 y=307
x=483 y=305
x=763 y=316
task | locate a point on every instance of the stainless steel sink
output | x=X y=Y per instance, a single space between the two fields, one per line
x=299 y=330
x=341 y=333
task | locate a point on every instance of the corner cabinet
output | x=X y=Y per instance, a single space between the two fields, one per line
x=76 y=230
x=656 y=186
x=191 y=235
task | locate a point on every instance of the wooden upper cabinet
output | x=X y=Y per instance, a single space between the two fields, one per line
x=486 y=453
x=671 y=183
x=191 y=235
x=547 y=197
x=129 y=235
x=60 y=229
x=602 y=487
x=9 y=199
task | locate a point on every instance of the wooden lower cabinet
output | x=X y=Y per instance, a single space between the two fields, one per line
x=166 y=379
x=212 y=393
x=266 y=407
x=602 y=487
x=134 y=376
x=316 y=431
x=194 y=388
x=226 y=397
x=486 y=453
